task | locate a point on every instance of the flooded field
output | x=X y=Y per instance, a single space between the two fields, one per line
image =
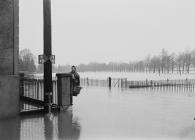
x=101 y=113
x=131 y=75
x=137 y=75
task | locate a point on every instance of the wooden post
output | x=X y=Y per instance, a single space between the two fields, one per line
x=146 y=82
x=47 y=54
x=21 y=89
x=87 y=81
x=125 y=82
x=109 y=82
x=37 y=89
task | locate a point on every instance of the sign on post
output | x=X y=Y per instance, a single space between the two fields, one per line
x=44 y=58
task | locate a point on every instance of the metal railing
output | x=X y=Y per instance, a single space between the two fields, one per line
x=33 y=89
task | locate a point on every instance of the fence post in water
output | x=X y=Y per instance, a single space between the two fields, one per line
x=146 y=82
x=125 y=82
x=87 y=81
x=21 y=84
x=109 y=82
x=21 y=89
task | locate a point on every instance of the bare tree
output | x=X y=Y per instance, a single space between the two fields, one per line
x=162 y=63
x=172 y=62
x=188 y=60
x=27 y=61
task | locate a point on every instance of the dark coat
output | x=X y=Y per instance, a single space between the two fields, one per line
x=75 y=79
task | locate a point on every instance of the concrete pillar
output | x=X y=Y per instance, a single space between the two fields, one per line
x=9 y=48
x=9 y=36
x=9 y=96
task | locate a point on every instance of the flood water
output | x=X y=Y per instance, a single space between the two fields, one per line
x=131 y=76
x=134 y=76
x=101 y=113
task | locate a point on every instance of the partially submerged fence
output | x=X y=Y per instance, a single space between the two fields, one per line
x=31 y=90
x=124 y=83
x=161 y=83
x=32 y=93
x=114 y=82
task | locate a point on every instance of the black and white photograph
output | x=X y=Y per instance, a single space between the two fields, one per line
x=97 y=70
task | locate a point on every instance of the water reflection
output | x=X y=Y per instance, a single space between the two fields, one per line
x=68 y=126
x=10 y=129
x=57 y=126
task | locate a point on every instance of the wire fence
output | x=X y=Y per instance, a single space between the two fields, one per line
x=185 y=85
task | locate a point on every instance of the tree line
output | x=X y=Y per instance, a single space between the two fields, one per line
x=165 y=62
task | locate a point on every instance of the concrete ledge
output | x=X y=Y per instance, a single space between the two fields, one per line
x=9 y=96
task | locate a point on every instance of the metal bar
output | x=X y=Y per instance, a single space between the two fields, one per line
x=31 y=101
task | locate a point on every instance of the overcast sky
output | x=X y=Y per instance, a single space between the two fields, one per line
x=109 y=30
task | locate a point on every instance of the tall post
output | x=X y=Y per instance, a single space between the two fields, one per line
x=109 y=82
x=47 y=54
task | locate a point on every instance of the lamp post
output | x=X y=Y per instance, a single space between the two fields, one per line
x=47 y=53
